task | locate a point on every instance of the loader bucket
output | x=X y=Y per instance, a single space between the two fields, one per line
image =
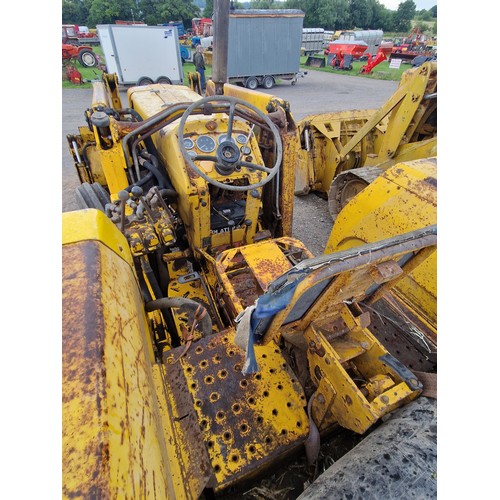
x=316 y=62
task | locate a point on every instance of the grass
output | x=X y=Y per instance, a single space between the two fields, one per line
x=380 y=72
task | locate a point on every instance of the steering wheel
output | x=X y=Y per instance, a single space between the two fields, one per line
x=227 y=157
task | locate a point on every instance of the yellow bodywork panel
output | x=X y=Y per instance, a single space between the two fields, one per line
x=151 y=99
x=93 y=224
x=246 y=272
x=118 y=437
x=402 y=199
x=258 y=99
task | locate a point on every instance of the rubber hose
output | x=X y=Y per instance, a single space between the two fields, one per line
x=156 y=173
x=140 y=182
x=84 y=152
x=154 y=160
x=206 y=321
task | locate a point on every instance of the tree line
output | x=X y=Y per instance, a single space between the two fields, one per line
x=327 y=14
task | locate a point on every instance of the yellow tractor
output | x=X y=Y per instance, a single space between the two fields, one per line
x=204 y=347
x=342 y=152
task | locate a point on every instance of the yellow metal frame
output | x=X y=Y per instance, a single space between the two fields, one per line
x=351 y=139
x=402 y=199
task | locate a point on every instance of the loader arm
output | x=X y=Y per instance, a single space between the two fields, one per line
x=404 y=125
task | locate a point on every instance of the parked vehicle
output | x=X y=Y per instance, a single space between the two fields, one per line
x=142 y=54
x=82 y=53
x=312 y=40
x=201 y=26
x=77 y=35
x=264 y=46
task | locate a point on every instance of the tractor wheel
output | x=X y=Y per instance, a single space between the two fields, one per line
x=87 y=58
x=251 y=83
x=144 y=81
x=92 y=196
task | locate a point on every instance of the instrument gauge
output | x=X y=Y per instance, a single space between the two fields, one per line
x=245 y=150
x=241 y=138
x=205 y=143
x=223 y=137
x=188 y=143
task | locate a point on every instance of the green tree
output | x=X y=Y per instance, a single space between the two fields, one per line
x=327 y=14
x=265 y=4
x=361 y=13
x=175 y=10
x=434 y=11
x=208 y=11
x=162 y=11
x=74 y=12
x=108 y=11
x=404 y=15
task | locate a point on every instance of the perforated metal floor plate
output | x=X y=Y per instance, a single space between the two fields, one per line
x=246 y=421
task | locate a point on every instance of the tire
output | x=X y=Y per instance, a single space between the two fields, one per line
x=398 y=459
x=268 y=82
x=87 y=58
x=165 y=80
x=144 y=81
x=251 y=83
x=92 y=196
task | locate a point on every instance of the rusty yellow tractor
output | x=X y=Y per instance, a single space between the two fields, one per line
x=206 y=348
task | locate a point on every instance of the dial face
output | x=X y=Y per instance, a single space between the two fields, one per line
x=241 y=138
x=188 y=143
x=205 y=143
x=223 y=137
x=245 y=150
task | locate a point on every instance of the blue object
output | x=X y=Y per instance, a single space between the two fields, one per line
x=178 y=24
x=267 y=305
x=184 y=53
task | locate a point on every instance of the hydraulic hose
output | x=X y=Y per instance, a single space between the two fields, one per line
x=154 y=160
x=182 y=302
x=155 y=172
x=166 y=313
x=140 y=182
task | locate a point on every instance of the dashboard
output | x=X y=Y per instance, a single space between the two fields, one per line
x=207 y=143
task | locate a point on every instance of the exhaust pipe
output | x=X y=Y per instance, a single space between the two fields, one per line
x=221 y=36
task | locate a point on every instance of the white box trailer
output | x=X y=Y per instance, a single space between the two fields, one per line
x=143 y=54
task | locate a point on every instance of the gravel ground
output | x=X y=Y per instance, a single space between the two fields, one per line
x=317 y=92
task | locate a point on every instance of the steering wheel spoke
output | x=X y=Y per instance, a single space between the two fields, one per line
x=254 y=166
x=204 y=158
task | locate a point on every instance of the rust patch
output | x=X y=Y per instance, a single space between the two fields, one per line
x=432 y=181
x=246 y=421
x=83 y=374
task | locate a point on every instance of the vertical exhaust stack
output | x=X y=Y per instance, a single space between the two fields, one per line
x=221 y=36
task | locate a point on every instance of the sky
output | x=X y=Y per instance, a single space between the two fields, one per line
x=421 y=4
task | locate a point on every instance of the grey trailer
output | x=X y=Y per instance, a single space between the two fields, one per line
x=312 y=40
x=141 y=55
x=264 y=46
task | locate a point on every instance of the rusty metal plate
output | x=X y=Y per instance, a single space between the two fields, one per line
x=246 y=421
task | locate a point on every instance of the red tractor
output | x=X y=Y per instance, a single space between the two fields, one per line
x=83 y=53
